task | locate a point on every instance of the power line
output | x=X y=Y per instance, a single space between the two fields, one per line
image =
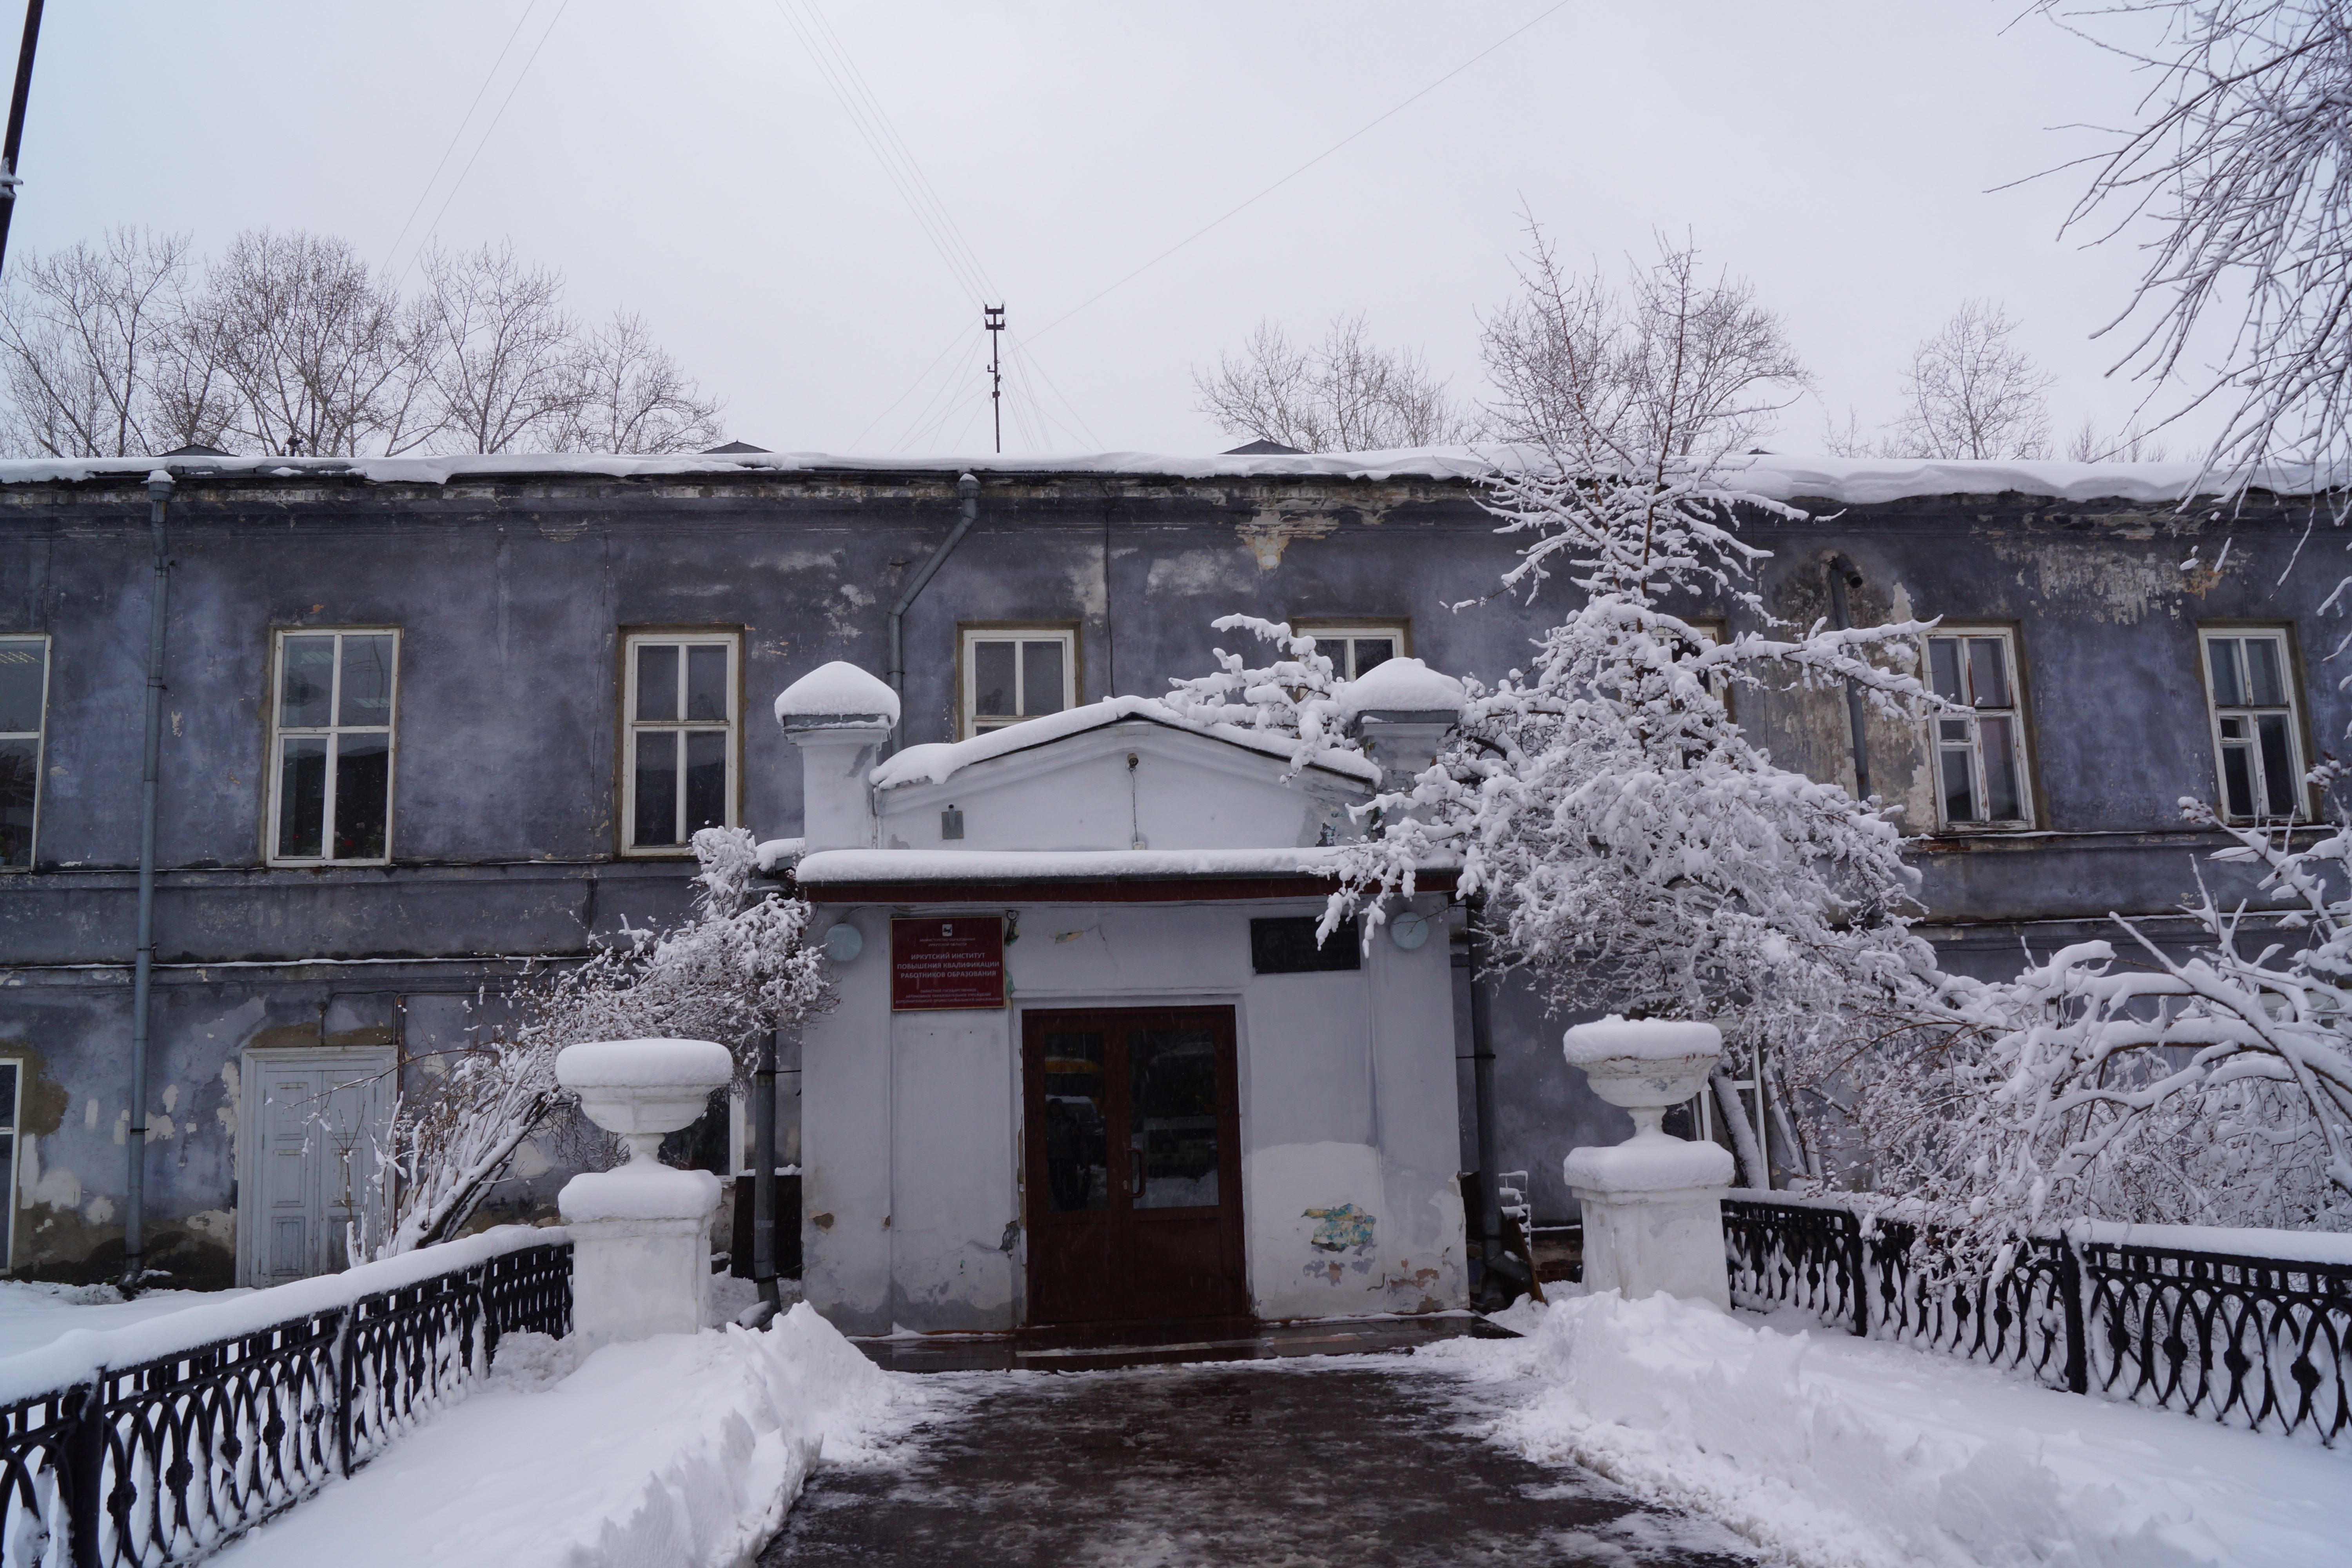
x=459 y=135
x=923 y=376
x=1360 y=131
x=520 y=77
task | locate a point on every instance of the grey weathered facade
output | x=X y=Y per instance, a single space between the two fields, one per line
x=513 y=586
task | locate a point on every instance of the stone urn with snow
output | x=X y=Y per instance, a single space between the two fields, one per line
x=641 y=1232
x=1652 y=1205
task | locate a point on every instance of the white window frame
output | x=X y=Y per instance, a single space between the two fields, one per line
x=732 y=641
x=39 y=736
x=970 y=722
x=1970 y=740
x=280 y=732
x=1343 y=660
x=2218 y=717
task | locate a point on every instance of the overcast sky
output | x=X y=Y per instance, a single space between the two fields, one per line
x=694 y=161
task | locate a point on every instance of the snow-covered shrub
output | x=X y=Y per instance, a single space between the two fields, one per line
x=734 y=972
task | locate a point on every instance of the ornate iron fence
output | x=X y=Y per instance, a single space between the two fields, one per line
x=2259 y=1343
x=167 y=1460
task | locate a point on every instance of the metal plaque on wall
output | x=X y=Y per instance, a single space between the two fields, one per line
x=943 y=966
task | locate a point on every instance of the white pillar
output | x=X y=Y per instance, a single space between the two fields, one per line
x=641 y=1234
x=1652 y=1205
x=839 y=717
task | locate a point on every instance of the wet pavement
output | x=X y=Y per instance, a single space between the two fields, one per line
x=1364 y=1460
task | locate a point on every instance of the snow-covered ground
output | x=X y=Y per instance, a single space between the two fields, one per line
x=1834 y=1452
x=681 y=1450
x=33 y=1315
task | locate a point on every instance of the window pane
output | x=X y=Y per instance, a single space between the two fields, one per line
x=657 y=821
x=706 y=779
x=362 y=794
x=2265 y=681
x=20 y=686
x=1987 y=672
x=2002 y=790
x=19 y=783
x=1041 y=678
x=367 y=681
x=1172 y=1103
x=2228 y=691
x=8 y=1095
x=302 y=795
x=1953 y=730
x=1372 y=652
x=2278 y=762
x=309 y=683
x=1944 y=667
x=992 y=680
x=656 y=682
x=1959 y=791
x=1077 y=1109
x=2238 y=779
x=706 y=681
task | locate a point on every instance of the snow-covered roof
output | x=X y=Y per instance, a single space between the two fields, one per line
x=836 y=691
x=934 y=764
x=838 y=867
x=1778 y=475
x=1400 y=686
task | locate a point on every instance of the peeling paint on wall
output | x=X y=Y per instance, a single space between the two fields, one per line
x=1344 y=1228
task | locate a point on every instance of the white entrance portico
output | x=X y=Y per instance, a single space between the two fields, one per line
x=1090 y=1062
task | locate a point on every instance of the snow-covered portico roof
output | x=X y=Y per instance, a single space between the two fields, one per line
x=940 y=762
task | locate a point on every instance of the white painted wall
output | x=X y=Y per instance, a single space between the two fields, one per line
x=911 y=1139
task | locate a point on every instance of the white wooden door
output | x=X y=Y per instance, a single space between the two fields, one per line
x=311 y=1120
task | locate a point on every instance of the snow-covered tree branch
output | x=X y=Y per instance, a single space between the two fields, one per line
x=736 y=970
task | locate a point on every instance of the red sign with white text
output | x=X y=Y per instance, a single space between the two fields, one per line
x=946 y=965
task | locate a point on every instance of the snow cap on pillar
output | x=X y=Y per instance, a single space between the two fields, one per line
x=835 y=693
x=1402 y=710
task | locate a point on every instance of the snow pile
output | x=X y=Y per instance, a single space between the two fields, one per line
x=1616 y=1038
x=682 y=1450
x=34 y=1314
x=836 y=691
x=638 y=1190
x=835 y=867
x=643 y=1064
x=1400 y=686
x=935 y=762
x=1842 y=1453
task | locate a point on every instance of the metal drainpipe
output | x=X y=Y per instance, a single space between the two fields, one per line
x=1482 y=1080
x=134 y=1209
x=1842 y=576
x=967 y=493
x=763 y=1177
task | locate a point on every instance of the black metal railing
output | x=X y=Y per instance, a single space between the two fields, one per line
x=2258 y=1343
x=167 y=1460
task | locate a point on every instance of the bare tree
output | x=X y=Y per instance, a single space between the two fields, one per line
x=1342 y=394
x=502 y=349
x=1670 y=365
x=629 y=395
x=319 y=359
x=2239 y=170
x=2089 y=444
x=93 y=346
x=1971 y=393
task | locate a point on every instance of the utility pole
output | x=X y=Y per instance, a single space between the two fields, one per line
x=994 y=316
x=8 y=150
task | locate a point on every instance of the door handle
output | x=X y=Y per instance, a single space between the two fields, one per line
x=1135 y=1172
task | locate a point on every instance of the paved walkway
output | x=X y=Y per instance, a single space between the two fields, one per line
x=1364 y=1460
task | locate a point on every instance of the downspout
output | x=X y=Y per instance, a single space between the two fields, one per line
x=1842 y=576
x=763 y=1179
x=967 y=493
x=134 y=1209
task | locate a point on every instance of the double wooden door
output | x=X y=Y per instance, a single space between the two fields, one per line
x=1133 y=1126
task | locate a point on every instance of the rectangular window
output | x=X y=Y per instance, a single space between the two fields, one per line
x=1354 y=648
x=331 y=750
x=2257 y=737
x=678 y=758
x=1980 y=768
x=1016 y=673
x=23 y=704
